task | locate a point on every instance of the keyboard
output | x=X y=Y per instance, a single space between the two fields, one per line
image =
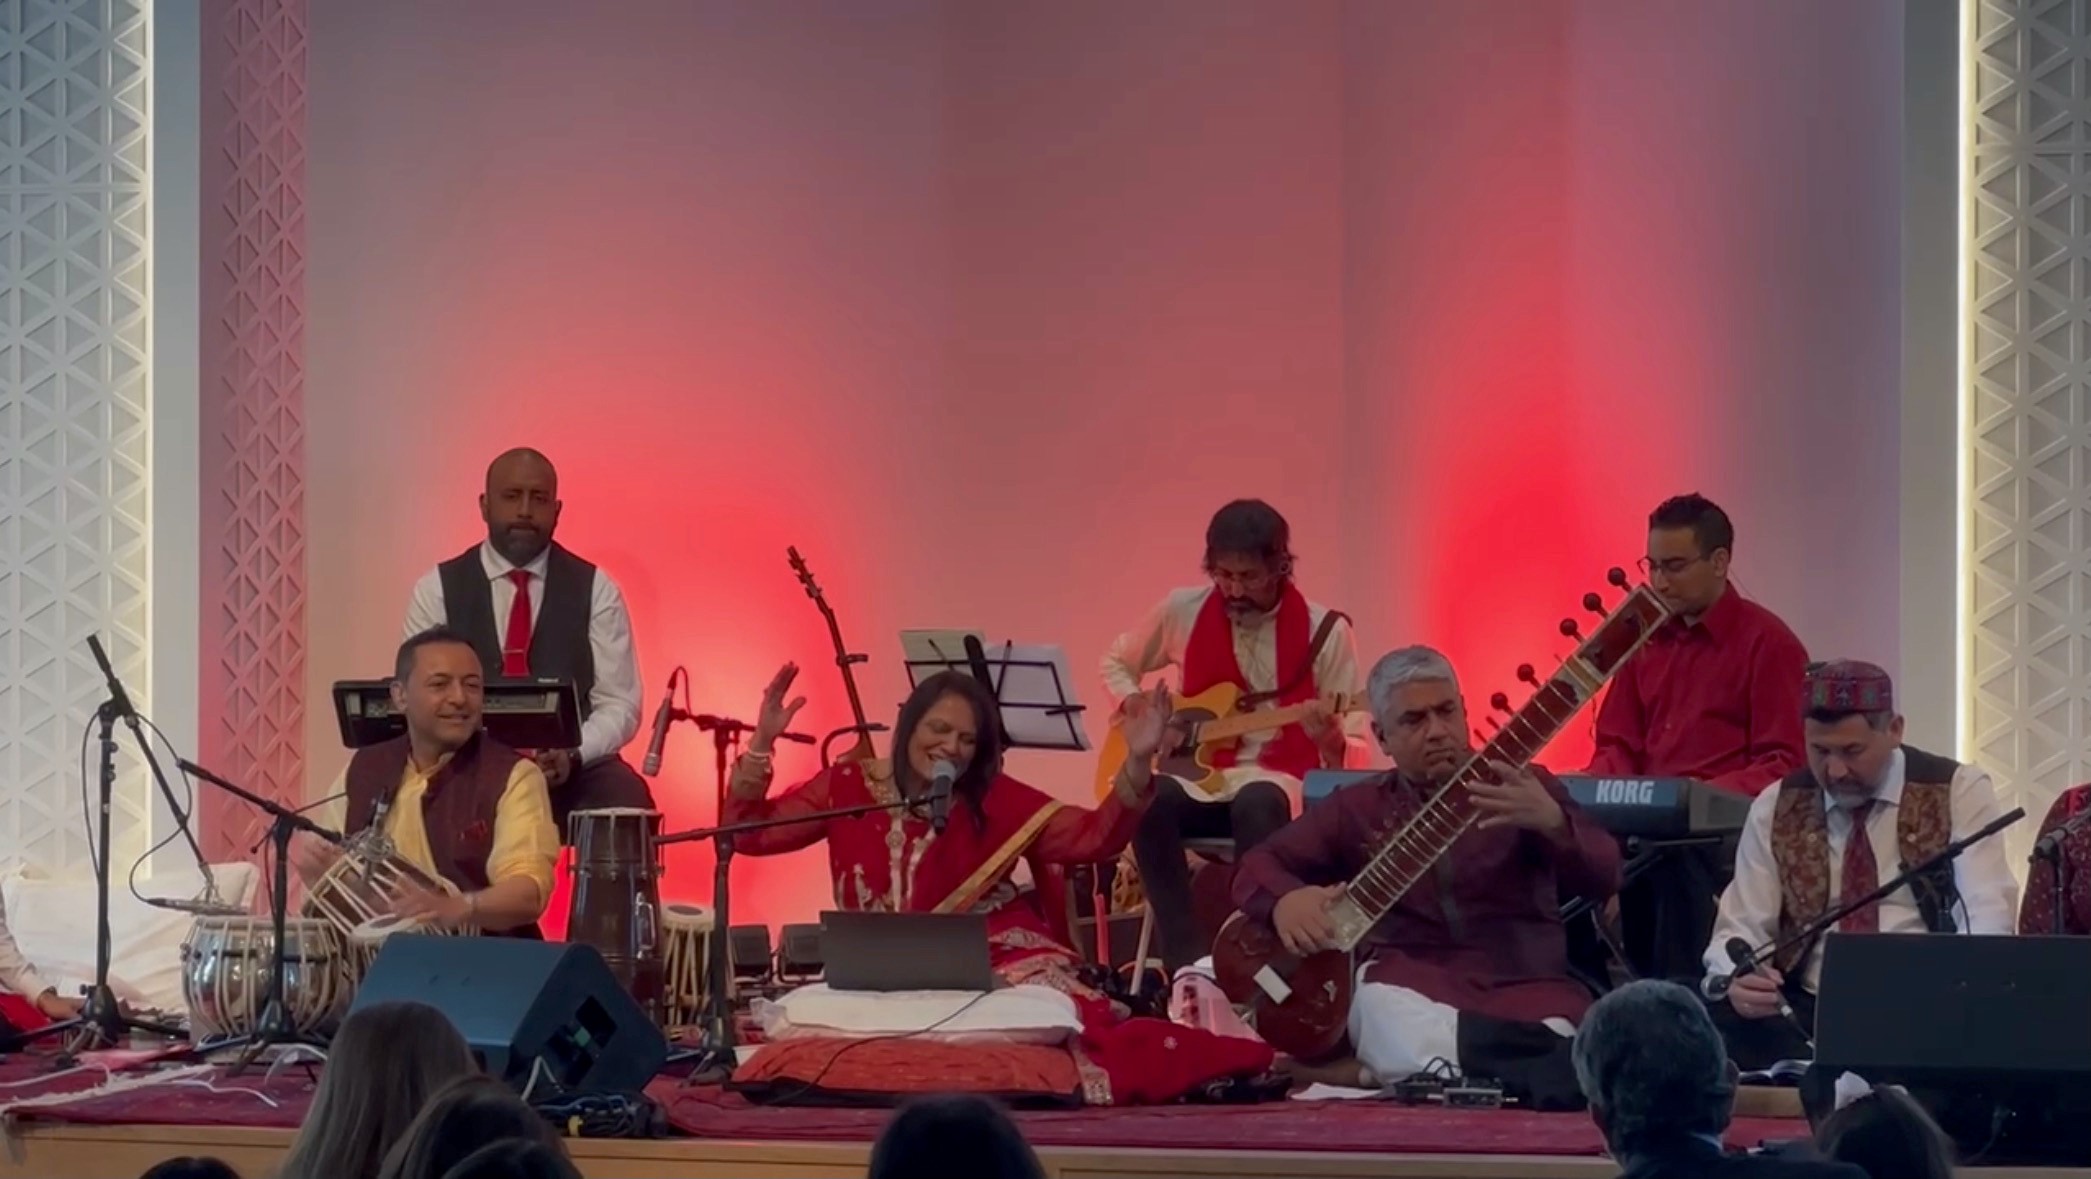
x=1657 y=808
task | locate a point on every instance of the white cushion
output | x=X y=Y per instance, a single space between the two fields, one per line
x=1014 y=1015
x=53 y=923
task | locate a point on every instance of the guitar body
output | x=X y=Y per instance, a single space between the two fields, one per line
x=1310 y=1022
x=1191 y=764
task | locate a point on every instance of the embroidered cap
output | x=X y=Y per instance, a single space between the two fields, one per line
x=1847 y=685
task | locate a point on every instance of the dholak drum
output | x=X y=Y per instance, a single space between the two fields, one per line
x=356 y=892
x=617 y=895
x=686 y=934
x=225 y=975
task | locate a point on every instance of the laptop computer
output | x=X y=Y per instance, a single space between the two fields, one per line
x=906 y=951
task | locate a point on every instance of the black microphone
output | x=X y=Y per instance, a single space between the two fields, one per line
x=2050 y=845
x=1745 y=959
x=120 y=699
x=662 y=718
x=942 y=776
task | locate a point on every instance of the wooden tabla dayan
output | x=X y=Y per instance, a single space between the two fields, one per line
x=226 y=962
x=686 y=934
x=354 y=898
x=616 y=902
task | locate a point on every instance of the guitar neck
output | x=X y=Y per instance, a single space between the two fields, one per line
x=1240 y=723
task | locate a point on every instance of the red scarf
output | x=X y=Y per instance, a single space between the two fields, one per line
x=1208 y=659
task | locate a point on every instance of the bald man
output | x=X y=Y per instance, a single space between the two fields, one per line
x=531 y=608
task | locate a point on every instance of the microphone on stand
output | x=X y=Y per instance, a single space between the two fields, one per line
x=2050 y=845
x=662 y=718
x=942 y=777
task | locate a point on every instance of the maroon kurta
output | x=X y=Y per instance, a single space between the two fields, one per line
x=2036 y=913
x=1482 y=930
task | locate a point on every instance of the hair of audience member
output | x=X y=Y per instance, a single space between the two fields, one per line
x=1889 y=1135
x=386 y=1061
x=463 y=1116
x=1653 y=1067
x=957 y=1136
x=192 y=1167
x=514 y=1158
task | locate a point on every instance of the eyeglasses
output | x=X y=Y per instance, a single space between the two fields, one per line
x=1668 y=568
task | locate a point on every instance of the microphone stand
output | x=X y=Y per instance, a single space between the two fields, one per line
x=716 y=1048
x=1747 y=963
x=120 y=700
x=2049 y=847
x=275 y=1025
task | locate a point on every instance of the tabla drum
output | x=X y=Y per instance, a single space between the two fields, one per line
x=356 y=891
x=686 y=934
x=616 y=876
x=225 y=975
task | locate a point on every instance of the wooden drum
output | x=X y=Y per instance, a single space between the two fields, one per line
x=617 y=895
x=225 y=975
x=686 y=935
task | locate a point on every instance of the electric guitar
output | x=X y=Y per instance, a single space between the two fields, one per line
x=1302 y=1004
x=1211 y=723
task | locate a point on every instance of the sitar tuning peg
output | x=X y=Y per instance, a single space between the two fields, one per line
x=1617 y=577
x=1526 y=674
x=1480 y=736
x=1499 y=702
x=1494 y=725
x=1568 y=630
x=1594 y=604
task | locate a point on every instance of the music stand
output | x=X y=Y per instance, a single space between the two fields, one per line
x=1031 y=684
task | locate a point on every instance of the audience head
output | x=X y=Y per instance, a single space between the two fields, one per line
x=188 y=1167
x=465 y=1115
x=1653 y=1068
x=1690 y=541
x=1418 y=714
x=514 y=1158
x=1248 y=555
x=520 y=504
x=1850 y=728
x=385 y=1063
x=953 y=1137
x=1889 y=1134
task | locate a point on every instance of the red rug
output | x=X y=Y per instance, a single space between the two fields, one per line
x=217 y=1099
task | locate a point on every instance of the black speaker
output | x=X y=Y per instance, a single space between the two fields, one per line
x=1989 y=1033
x=527 y=1007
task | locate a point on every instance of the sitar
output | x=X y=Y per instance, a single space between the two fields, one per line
x=1302 y=1004
x=845 y=659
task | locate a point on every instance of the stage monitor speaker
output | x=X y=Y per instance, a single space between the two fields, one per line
x=527 y=1007
x=1988 y=1031
x=753 y=958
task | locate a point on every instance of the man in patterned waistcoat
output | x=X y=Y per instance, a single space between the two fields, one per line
x=1799 y=858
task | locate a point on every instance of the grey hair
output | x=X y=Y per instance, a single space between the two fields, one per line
x=1406 y=666
x=1652 y=1064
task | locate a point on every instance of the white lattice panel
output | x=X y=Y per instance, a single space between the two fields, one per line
x=2029 y=427
x=74 y=406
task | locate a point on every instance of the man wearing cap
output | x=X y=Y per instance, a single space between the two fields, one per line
x=1798 y=857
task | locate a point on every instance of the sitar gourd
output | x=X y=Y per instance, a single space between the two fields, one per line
x=1301 y=1005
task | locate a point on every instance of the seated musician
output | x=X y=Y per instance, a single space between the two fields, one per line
x=18 y=977
x=457 y=804
x=1714 y=696
x=1251 y=628
x=1797 y=859
x=894 y=861
x=2037 y=915
x=1471 y=966
x=570 y=624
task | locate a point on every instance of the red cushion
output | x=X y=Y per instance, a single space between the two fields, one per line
x=882 y=1072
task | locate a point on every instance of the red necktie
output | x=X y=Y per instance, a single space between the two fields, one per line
x=1861 y=875
x=515 y=649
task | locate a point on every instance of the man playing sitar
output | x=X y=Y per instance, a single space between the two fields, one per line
x=1273 y=670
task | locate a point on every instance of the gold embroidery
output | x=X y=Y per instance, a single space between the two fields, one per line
x=1096 y=1084
x=998 y=863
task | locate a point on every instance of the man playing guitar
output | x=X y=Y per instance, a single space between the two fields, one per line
x=1247 y=640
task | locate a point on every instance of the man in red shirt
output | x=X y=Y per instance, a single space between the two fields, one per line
x=1714 y=696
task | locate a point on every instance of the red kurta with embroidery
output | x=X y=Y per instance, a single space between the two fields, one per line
x=891 y=861
x=2037 y=913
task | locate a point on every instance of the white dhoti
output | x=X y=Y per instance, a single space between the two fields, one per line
x=1399 y=1032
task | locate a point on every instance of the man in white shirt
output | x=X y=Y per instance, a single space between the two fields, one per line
x=17 y=975
x=1798 y=858
x=531 y=608
x=1251 y=628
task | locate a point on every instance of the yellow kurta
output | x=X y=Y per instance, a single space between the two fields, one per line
x=526 y=840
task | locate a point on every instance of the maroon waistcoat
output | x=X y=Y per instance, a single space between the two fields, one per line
x=458 y=808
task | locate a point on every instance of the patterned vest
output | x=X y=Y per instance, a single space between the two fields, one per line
x=1801 y=846
x=559 y=646
x=458 y=808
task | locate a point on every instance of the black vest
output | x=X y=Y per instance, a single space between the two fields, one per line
x=558 y=642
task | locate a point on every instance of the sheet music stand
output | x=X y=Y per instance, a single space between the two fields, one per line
x=1031 y=684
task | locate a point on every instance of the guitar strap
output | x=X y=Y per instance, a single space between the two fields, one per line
x=1306 y=667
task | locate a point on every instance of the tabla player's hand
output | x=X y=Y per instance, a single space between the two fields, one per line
x=1756 y=995
x=313 y=858
x=776 y=713
x=558 y=765
x=1148 y=724
x=1301 y=918
x=57 y=1007
x=1517 y=798
x=411 y=902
